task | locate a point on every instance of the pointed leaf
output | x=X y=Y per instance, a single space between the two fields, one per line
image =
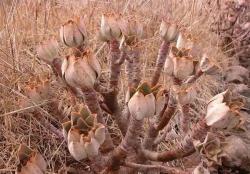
x=73 y=135
x=23 y=152
x=66 y=127
x=218 y=116
x=84 y=111
x=68 y=33
x=144 y=88
x=183 y=67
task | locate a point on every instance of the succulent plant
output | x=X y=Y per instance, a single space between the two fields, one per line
x=169 y=66
x=81 y=72
x=183 y=63
x=210 y=148
x=161 y=101
x=184 y=41
x=48 y=50
x=30 y=161
x=218 y=150
x=73 y=33
x=83 y=134
x=110 y=28
x=168 y=31
x=86 y=132
x=132 y=30
x=185 y=94
x=37 y=90
x=223 y=112
x=142 y=103
x=187 y=41
x=206 y=65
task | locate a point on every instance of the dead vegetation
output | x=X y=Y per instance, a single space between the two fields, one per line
x=35 y=100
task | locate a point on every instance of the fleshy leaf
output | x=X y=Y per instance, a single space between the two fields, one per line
x=138 y=106
x=73 y=135
x=92 y=147
x=66 y=127
x=100 y=134
x=144 y=88
x=77 y=150
x=150 y=101
x=24 y=152
x=84 y=111
x=38 y=160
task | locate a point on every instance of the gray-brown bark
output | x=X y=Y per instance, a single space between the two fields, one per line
x=153 y=132
x=185 y=118
x=130 y=143
x=160 y=61
x=155 y=168
x=91 y=100
x=132 y=68
x=186 y=149
x=116 y=60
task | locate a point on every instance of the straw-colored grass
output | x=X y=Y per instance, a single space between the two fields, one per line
x=26 y=23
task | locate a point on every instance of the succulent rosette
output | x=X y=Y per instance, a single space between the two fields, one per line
x=73 y=33
x=30 y=161
x=83 y=134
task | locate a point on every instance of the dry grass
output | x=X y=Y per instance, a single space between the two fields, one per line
x=25 y=23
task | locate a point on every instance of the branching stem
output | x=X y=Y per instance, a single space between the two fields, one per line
x=186 y=149
x=160 y=61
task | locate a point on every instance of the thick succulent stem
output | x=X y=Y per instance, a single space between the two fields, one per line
x=132 y=68
x=115 y=161
x=110 y=98
x=56 y=66
x=49 y=126
x=161 y=58
x=151 y=135
x=185 y=118
x=130 y=143
x=193 y=78
x=112 y=102
x=129 y=71
x=98 y=163
x=153 y=132
x=163 y=120
x=115 y=64
x=155 y=168
x=91 y=100
x=187 y=148
x=131 y=140
x=78 y=51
